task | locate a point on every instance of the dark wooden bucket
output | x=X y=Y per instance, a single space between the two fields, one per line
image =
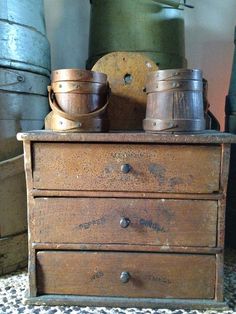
x=174 y=101
x=78 y=98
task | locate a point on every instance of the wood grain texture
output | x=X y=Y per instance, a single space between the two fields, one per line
x=13 y=253
x=151 y=275
x=173 y=194
x=125 y=248
x=151 y=222
x=12 y=197
x=128 y=194
x=154 y=168
x=206 y=137
x=126 y=73
x=123 y=302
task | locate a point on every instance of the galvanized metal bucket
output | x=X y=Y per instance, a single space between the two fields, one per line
x=13 y=222
x=143 y=26
x=23 y=107
x=79 y=100
x=174 y=101
x=24 y=45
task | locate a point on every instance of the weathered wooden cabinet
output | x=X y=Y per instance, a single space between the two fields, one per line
x=126 y=219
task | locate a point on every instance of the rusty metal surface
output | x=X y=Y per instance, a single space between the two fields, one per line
x=126 y=72
x=154 y=168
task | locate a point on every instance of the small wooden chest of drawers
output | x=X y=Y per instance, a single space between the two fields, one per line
x=126 y=219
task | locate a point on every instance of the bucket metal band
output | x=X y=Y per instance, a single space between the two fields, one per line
x=190 y=125
x=184 y=85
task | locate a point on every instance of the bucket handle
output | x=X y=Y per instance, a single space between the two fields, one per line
x=56 y=108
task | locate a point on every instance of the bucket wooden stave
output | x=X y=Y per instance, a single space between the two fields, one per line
x=174 y=101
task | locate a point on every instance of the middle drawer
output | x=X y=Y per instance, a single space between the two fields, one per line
x=124 y=221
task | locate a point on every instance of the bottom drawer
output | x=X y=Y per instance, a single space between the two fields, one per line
x=188 y=276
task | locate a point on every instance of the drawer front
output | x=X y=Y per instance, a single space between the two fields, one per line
x=126 y=274
x=124 y=221
x=133 y=167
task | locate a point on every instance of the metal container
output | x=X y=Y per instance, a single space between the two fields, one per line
x=79 y=99
x=13 y=222
x=143 y=26
x=24 y=45
x=174 y=101
x=23 y=107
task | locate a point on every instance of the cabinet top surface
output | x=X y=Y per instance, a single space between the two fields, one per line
x=207 y=137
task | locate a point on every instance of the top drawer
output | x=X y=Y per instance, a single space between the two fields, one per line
x=120 y=167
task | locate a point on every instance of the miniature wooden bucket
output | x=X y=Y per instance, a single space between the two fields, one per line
x=77 y=96
x=174 y=101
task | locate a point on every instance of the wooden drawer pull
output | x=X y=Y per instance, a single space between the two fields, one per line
x=126 y=168
x=124 y=222
x=124 y=277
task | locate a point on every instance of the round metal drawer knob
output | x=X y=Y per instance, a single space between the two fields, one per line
x=124 y=277
x=124 y=222
x=126 y=168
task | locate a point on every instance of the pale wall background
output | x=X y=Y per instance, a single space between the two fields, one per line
x=209 y=40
